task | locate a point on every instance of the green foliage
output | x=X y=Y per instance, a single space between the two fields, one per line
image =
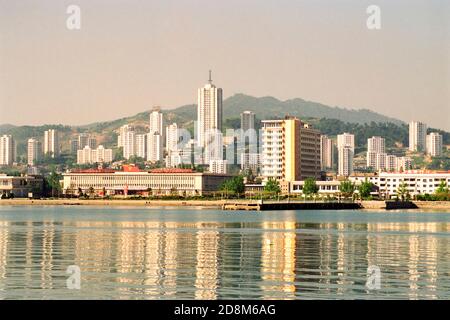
x=51 y=183
x=443 y=188
x=234 y=185
x=403 y=192
x=365 y=189
x=272 y=186
x=347 y=188
x=310 y=186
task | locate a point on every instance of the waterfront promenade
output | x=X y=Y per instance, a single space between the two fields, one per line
x=241 y=203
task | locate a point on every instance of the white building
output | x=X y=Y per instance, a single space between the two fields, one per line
x=404 y=164
x=156 y=123
x=141 y=145
x=326 y=152
x=173 y=159
x=218 y=166
x=381 y=161
x=434 y=144
x=154 y=147
x=99 y=155
x=417 y=136
x=122 y=135
x=51 y=143
x=34 y=151
x=391 y=163
x=376 y=144
x=7 y=150
x=345 y=161
x=417 y=182
x=209 y=110
x=129 y=144
x=172 y=137
x=346 y=139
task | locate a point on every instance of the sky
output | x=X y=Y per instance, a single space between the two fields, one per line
x=130 y=55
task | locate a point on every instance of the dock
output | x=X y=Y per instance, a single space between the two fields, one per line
x=292 y=205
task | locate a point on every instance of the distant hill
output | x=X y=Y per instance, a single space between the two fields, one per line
x=264 y=107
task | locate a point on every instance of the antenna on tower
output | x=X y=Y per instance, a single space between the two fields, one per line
x=210 y=80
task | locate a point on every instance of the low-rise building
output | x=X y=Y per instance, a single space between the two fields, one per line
x=20 y=187
x=159 y=181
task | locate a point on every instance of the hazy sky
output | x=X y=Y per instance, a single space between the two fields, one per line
x=130 y=55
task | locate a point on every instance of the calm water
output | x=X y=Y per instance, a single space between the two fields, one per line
x=137 y=253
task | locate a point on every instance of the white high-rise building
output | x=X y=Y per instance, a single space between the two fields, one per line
x=376 y=144
x=141 y=145
x=417 y=136
x=51 y=143
x=251 y=161
x=326 y=152
x=172 y=137
x=381 y=162
x=209 y=110
x=156 y=121
x=247 y=120
x=434 y=144
x=154 y=147
x=129 y=144
x=7 y=150
x=346 y=139
x=122 y=134
x=218 y=166
x=391 y=163
x=34 y=148
x=345 y=161
x=99 y=155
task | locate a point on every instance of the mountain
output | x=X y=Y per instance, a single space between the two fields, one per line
x=264 y=107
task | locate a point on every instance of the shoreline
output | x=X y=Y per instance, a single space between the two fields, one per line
x=371 y=205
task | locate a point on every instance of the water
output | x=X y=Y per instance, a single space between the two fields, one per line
x=141 y=253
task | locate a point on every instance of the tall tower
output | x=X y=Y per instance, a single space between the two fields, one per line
x=247 y=120
x=7 y=150
x=209 y=110
x=51 y=143
x=417 y=136
x=34 y=151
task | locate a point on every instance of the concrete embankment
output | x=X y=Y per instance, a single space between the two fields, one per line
x=381 y=205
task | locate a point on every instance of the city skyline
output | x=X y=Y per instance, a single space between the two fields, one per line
x=103 y=73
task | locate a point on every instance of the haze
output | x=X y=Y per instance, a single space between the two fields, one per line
x=130 y=55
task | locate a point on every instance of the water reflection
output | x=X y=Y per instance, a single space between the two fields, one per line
x=224 y=259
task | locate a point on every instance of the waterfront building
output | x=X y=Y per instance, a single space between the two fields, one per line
x=158 y=181
x=172 y=137
x=326 y=152
x=51 y=143
x=209 y=111
x=345 y=160
x=141 y=145
x=21 y=187
x=331 y=187
x=34 y=151
x=434 y=144
x=7 y=150
x=247 y=120
x=291 y=150
x=417 y=181
x=417 y=136
x=98 y=155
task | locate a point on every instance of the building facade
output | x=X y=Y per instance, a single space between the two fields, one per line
x=98 y=155
x=7 y=150
x=345 y=160
x=51 y=143
x=417 y=136
x=434 y=144
x=157 y=182
x=20 y=187
x=326 y=152
x=290 y=150
x=34 y=151
x=209 y=111
x=248 y=120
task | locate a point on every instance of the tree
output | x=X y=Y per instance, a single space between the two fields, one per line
x=347 y=188
x=234 y=185
x=310 y=186
x=365 y=189
x=52 y=181
x=402 y=191
x=272 y=186
x=442 y=188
